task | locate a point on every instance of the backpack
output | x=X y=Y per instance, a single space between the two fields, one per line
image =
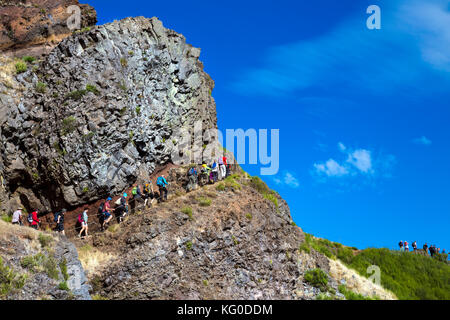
x=55 y=216
x=160 y=182
x=80 y=218
x=100 y=209
x=118 y=201
x=134 y=191
x=30 y=218
x=192 y=171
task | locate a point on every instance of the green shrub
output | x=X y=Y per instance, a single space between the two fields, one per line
x=41 y=87
x=220 y=187
x=123 y=62
x=248 y=216
x=68 y=125
x=63 y=286
x=29 y=59
x=189 y=245
x=76 y=95
x=10 y=281
x=98 y=297
x=317 y=278
x=138 y=110
x=92 y=88
x=63 y=267
x=21 y=67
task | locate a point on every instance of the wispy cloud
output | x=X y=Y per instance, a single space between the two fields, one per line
x=414 y=41
x=423 y=141
x=355 y=162
x=287 y=179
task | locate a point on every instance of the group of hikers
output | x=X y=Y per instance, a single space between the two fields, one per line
x=404 y=246
x=218 y=170
x=146 y=196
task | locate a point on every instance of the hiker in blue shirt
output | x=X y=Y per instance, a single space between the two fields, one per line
x=161 y=182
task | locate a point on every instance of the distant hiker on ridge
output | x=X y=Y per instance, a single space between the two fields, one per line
x=17 y=217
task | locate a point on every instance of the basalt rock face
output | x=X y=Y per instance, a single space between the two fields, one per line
x=102 y=110
x=35 y=27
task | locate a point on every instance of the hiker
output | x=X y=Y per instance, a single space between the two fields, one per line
x=228 y=170
x=161 y=182
x=60 y=221
x=432 y=251
x=406 y=246
x=414 y=245
x=34 y=220
x=204 y=173
x=214 y=171
x=443 y=251
x=84 y=224
x=122 y=208
x=136 y=192
x=425 y=248
x=193 y=179
x=107 y=216
x=400 y=244
x=148 y=193
x=17 y=217
x=222 y=168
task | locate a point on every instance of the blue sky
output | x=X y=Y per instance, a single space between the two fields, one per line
x=363 y=114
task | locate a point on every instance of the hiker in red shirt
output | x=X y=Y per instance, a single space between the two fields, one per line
x=36 y=221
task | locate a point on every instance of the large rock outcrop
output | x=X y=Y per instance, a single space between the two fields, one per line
x=35 y=27
x=36 y=265
x=103 y=108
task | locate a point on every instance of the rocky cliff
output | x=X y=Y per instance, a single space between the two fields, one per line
x=102 y=109
x=35 y=27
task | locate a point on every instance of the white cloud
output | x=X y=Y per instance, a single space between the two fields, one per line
x=361 y=159
x=422 y=140
x=287 y=179
x=359 y=162
x=331 y=168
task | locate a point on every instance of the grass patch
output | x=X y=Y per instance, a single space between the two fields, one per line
x=114 y=228
x=248 y=216
x=98 y=297
x=6 y=217
x=204 y=202
x=263 y=189
x=188 y=211
x=41 y=87
x=220 y=187
x=350 y=295
x=123 y=62
x=45 y=240
x=189 y=245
